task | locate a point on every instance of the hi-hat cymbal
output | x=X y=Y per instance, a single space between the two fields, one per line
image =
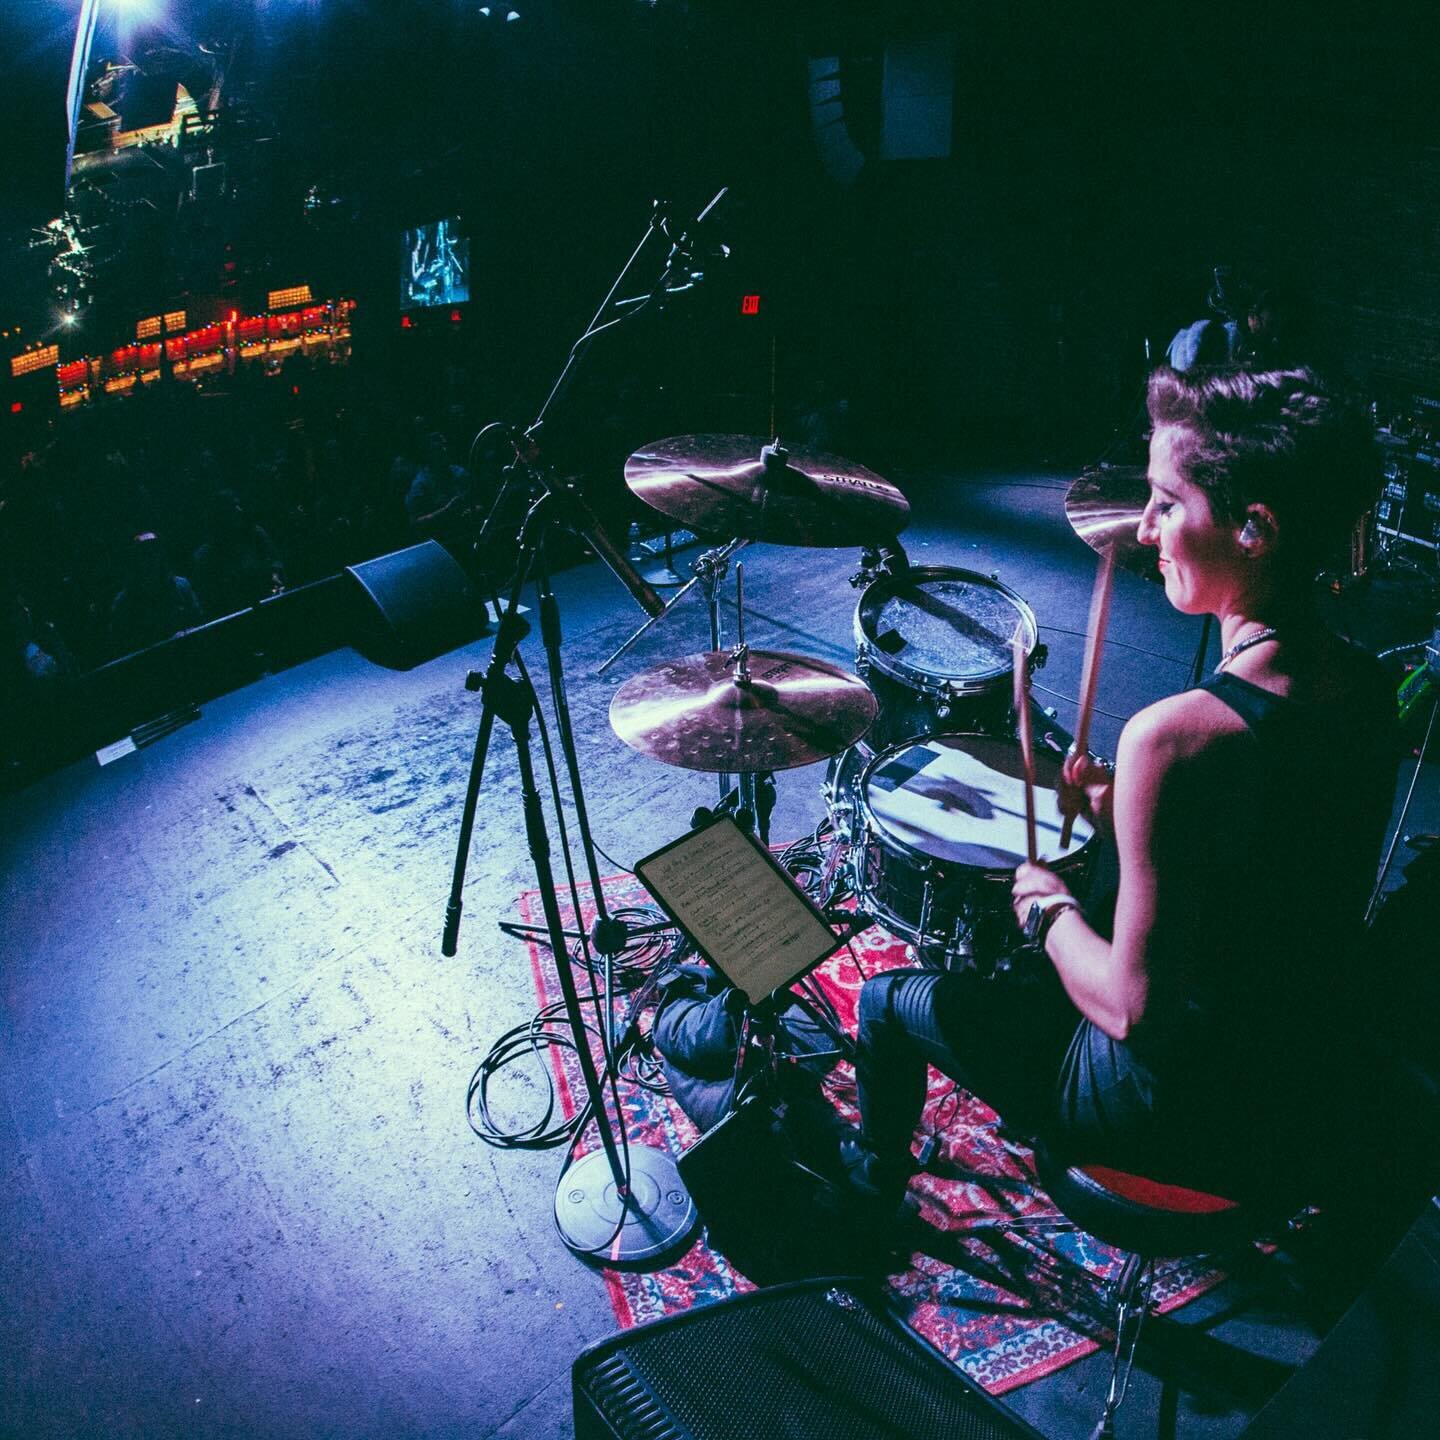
x=693 y=713
x=726 y=485
x=1104 y=507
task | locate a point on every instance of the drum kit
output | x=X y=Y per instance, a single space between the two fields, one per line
x=928 y=787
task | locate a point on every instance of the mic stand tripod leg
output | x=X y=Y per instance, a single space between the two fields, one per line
x=607 y=934
x=508 y=636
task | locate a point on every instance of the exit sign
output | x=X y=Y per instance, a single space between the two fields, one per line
x=749 y=304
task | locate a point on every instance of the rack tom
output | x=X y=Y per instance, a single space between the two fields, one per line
x=934 y=644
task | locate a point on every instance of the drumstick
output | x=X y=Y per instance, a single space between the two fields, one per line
x=1027 y=739
x=1090 y=670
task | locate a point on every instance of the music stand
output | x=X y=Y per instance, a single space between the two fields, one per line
x=751 y=923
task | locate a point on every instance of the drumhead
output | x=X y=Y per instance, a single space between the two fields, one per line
x=940 y=624
x=961 y=798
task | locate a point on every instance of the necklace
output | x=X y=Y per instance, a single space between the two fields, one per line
x=1267 y=633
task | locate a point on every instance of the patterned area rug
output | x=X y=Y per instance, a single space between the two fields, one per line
x=971 y=1304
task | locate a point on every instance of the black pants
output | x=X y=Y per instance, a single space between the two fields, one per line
x=1020 y=1045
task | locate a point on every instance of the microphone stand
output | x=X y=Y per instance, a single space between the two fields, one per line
x=626 y=1210
x=619 y=1209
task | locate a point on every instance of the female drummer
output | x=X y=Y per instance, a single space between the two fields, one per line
x=1204 y=1040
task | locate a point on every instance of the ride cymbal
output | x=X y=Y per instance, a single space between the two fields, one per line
x=1104 y=508
x=738 y=485
x=695 y=714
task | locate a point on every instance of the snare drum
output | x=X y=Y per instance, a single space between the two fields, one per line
x=934 y=644
x=940 y=831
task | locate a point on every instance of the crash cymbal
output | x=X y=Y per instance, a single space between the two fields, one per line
x=1104 y=506
x=693 y=713
x=737 y=485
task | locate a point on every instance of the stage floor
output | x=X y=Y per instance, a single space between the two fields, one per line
x=240 y=1194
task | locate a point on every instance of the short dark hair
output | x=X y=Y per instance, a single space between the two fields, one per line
x=1286 y=439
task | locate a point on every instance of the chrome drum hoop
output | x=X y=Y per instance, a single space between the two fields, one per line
x=967 y=652
x=948 y=906
x=840 y=790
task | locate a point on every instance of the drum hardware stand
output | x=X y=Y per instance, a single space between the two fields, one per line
x=606 y=1207
x=877 y=560
x=754 y=799
x=710 y=570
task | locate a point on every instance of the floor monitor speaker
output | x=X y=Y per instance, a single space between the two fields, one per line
x=813 y=1360
x=414 y=604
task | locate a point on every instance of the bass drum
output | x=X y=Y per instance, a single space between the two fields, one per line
x=935 y=645
x=940 y=830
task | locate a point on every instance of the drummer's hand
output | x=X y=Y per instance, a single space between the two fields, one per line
x=1033 y=882
x=1087 y=787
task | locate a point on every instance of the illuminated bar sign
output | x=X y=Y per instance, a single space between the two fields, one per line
x=147 y=328
x=295 y=295
x=34 y=360
x=174 y=320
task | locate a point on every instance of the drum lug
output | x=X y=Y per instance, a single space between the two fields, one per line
x=1038 y=656
x=923 y=928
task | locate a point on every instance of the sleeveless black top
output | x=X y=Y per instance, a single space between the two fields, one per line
x=1274 y=884
x=1266 y=847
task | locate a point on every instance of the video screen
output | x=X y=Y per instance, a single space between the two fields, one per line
x=434 y=265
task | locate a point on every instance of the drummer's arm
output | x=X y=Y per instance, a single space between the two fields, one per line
x=1108 y=981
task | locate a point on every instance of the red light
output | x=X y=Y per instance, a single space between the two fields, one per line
x=16 y=407
x=294 y=389
x=454 y=317
x=405 y=322
x=749 y=304
x=234 y=316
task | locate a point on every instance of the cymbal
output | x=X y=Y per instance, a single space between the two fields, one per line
x=724 y=485
x=693 y=713
x=1104 y=507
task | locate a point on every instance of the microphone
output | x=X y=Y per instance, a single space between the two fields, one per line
x=692 y=244
x=586 y=523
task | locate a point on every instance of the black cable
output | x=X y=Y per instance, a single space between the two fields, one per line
x=531 y=1039
x=950 y=1098
x=610 y=860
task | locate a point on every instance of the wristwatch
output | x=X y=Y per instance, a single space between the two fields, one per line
x=1041 y=917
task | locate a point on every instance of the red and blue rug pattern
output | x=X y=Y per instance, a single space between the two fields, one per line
x=971 y=1306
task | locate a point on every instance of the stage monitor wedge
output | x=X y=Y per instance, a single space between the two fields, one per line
x=415 y=604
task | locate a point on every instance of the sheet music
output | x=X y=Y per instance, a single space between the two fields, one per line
x=744 y=913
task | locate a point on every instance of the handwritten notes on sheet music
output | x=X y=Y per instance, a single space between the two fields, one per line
x=745 y=914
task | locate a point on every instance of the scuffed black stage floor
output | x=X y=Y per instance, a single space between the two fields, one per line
x=240 y=1195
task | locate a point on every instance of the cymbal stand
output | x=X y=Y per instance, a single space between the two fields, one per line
x=709 y=570
x=606 y=1207
x=752 y=798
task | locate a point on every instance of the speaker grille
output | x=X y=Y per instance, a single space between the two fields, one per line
x=794 y=1364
